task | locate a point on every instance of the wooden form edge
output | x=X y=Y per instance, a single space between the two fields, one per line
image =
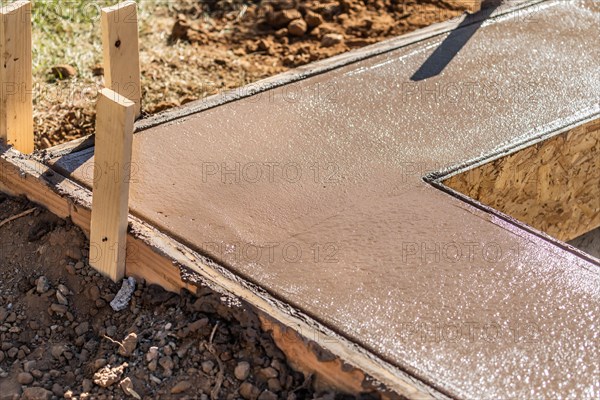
x=334 y=361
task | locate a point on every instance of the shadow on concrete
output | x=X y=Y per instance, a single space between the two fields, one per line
x=454 y=42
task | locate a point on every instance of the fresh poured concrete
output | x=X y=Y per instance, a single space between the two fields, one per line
x=315 y=192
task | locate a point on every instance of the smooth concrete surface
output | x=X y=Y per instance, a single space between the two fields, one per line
x=589 y=243
x=314 y=191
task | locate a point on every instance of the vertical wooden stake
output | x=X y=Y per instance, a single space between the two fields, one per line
x=115 y=116
x=121 y=51
x=16 y=104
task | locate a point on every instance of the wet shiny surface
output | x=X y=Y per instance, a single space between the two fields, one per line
x=315 y=192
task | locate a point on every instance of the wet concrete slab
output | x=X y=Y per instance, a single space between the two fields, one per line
x=315 y=192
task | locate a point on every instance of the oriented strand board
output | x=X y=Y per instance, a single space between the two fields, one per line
x=553 y=186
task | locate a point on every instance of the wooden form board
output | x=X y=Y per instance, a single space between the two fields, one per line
x=553 y=186
x=16 y=104
x=313 y=349
x=114 y=136
x=121 y=51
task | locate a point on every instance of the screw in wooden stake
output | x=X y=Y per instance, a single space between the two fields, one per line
x=16 y=100
x=115 y=117
x=121 y=51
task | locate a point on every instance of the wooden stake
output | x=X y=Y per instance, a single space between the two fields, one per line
x=114 y=134
x=16 y=104
x=121 y=51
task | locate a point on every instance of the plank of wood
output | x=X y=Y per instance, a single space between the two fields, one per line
x=16 y=102
x=121 y=51
x=110 y=206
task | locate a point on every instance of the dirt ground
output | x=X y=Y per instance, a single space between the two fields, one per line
x=60 y=338
x=190 y=49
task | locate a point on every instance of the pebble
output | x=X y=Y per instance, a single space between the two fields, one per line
x=42 y=285
x=152 y=354
x=242 y=370
x=58 y=308
x=267 y=395
x=93 y=292
x=167 y=363
x=208 y=366
x=61 y=298
x=331 y=39
x=297 y=27
x=100 y=363
x=269 y=373
x=129 y=344
x=181 y=387
x=36 y=393
x=248 y=391
x=87 y=385
x=24 y=378
x=82 y=328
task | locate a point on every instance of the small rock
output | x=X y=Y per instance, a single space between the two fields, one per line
x=63 y=71
x=3 y=314
x=152 y=354
x=100 y=363
x=42 y=285
x=61 y=298
x=127 y=387
x=208 y=366
x=242 y=371
x=24 y=378
x=70 y=269
x=87 y=385
x=36 y=393
x=267 y=395
x=93 y=292
x=121 y=300
x=107 y=376
x=248 y=391
x=59 y=308
x=58 y=390
x=297 y=27
x=313 y=19
x=181 y=387
x=82 y=328
x=279 y=19
x=167 y=363
x=63 y=289
x=57 y=351
x=269 y=373
x=128 y=346
x=331 y=39
x=197 y=325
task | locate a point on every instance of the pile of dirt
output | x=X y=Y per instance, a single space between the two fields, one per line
x=192 y=49
x=290 y=33
x=60 y=338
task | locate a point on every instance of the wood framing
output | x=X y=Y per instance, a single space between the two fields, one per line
x=121 y=51
x=16 y=104
x=114 y=136
x=552 y=185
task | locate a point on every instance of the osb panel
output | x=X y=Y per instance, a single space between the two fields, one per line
x=553 y=186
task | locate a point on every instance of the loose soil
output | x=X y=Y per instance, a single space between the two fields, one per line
x=60 y=338
x=190 y=49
